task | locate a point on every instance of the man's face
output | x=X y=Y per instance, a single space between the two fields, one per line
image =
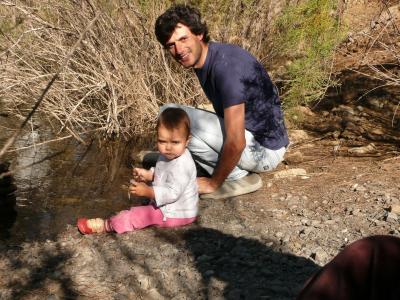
x=186 y=48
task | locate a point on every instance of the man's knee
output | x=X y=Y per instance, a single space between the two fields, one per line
x=198 y=147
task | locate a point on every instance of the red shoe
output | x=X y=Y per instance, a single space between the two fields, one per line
x=89 y=226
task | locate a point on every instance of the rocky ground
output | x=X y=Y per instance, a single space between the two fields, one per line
x=258 y=246
x=339 y=183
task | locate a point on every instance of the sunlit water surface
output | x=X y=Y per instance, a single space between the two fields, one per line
x=58 y=182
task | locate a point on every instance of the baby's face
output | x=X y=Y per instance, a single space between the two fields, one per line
x=171 y=143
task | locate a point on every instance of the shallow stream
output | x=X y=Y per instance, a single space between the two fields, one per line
x=58 y=182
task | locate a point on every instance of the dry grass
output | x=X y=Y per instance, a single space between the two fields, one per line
x=386 y=40
x=119 y=76
x=116 y=79
x=378 y=58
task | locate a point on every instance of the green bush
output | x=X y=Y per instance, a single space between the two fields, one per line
x=309 y=32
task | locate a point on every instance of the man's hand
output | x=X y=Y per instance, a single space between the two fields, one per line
x=206 y=185
x=141 y=189
x=142 y=175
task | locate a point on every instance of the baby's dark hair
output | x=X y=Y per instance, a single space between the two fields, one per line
x=174 y=118
x=180 y=13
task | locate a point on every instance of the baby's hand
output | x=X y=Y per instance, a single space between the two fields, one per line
x=140 y=189
x=142 y=175
x=139 y=174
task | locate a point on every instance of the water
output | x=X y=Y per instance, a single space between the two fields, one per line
x=60 y=181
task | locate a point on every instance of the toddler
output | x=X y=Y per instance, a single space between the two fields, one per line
x=173 y=192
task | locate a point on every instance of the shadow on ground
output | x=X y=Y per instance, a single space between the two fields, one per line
x=243 y=268
x=44 y=277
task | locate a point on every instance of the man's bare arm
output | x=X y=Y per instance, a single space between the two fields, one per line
x=233 y=147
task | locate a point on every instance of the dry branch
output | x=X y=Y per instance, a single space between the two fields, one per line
x=11 y=140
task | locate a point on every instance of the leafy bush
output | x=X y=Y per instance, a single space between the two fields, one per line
x=308 y=35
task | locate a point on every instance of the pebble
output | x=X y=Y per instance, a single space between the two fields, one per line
x=316 y=223
x=320 y=255
x=153 y=294
x=305 y=222
x=330 y=222
x=305 y=231
x=145 y=281
x=395 y=208
x=392 y=217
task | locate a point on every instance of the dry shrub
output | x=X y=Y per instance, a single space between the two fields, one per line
x=247 y=23
x=384 y=39
x=114 y=82
x=119 y=76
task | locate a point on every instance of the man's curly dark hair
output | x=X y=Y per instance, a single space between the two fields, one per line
x=180 y=13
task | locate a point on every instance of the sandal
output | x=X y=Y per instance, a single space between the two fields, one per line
x=89 y=226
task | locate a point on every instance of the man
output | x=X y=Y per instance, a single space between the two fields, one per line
x=247 y=133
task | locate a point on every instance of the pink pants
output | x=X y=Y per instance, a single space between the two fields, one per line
x=143 y=216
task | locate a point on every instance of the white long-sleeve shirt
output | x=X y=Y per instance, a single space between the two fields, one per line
x=175 y=186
